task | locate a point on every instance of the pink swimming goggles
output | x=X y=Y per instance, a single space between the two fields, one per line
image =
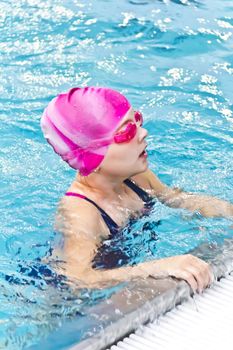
x=130 y=130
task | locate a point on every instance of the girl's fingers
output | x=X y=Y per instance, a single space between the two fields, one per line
x=188 y=277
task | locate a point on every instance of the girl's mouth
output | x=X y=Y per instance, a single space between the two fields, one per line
x=143 y=154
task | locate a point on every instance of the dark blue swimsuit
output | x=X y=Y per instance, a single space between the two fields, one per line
x=114 y=251
x=107 y=257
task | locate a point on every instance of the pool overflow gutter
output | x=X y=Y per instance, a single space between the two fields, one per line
x=137 y=303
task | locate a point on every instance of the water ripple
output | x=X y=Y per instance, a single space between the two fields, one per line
x=173 y=60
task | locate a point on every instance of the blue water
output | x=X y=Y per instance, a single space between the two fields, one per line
x=173 y=60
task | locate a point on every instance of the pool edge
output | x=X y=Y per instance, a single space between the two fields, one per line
x=139 y=302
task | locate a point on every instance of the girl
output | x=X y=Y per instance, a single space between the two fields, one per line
x=97 y=132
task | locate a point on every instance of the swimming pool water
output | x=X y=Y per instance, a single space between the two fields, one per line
x=173 y=60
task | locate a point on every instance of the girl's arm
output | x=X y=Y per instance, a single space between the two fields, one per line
x=206 y=205
x=82 y=239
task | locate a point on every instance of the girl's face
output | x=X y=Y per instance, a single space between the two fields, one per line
x=127 y=156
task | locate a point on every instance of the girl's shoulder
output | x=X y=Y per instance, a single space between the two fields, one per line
x=77 y=215
x=143 y=180
x=149 y=182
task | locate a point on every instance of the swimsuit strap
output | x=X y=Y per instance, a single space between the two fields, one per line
x=140 y=192
x=111 y=224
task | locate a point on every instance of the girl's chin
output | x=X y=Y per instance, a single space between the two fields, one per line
x=144 y=165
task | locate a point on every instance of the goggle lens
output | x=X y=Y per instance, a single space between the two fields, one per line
x=138 y=117
x=130 y=130
x=127 y=134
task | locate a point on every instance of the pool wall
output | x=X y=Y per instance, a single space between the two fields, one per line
x=139 y=302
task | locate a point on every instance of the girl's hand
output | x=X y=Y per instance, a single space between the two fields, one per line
x=193 y=270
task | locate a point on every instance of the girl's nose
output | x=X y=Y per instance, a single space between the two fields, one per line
x=142 y=133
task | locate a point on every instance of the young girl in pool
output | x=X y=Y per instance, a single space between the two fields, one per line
x=97 y=132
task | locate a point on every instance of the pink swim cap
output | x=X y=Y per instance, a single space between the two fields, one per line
x=80 y=125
